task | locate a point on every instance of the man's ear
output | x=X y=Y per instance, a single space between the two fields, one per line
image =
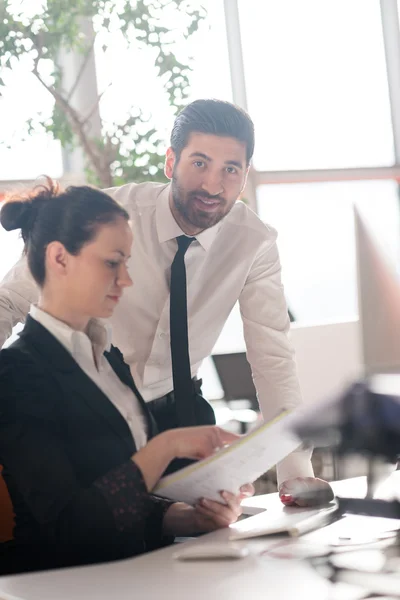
x=244 y=182
x=170 y=160
x=56 y=258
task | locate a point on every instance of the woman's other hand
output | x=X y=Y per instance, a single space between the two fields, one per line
x=210 y=515
x=198 y=442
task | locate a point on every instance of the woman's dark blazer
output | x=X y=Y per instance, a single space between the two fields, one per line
x=66 y=449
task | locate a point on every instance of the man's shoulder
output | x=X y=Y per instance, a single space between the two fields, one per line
x=246 y=221
x=137 y=195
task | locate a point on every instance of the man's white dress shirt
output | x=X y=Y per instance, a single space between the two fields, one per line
x=87 y=351
x=237 y=259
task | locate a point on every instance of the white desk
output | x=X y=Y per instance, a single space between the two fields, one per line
x=158 y=575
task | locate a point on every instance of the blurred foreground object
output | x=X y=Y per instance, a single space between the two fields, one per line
x=364 y=420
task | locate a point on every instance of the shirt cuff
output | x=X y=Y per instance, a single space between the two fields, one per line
x=155 y=537
x=126 y=494
x=296 y=464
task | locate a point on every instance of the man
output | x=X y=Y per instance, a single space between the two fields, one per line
x=229 y=255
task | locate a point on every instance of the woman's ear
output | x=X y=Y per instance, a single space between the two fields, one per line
x=56 y=258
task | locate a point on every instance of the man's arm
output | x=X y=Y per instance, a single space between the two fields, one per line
x=269 y=351
x=18 y=291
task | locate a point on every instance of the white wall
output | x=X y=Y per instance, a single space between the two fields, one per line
x=328 y=356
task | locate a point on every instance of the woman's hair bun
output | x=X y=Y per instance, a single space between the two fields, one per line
x=17 y=215
x=20 y=212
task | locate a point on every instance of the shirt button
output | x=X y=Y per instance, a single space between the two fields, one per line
x=162 y=335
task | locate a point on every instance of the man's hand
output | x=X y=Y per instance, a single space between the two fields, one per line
x=305 y=491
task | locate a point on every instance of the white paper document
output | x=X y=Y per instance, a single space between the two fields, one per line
x=231 y=467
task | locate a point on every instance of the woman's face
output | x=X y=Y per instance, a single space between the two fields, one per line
x=94 y=280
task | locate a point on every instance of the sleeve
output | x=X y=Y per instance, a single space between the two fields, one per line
x=155 y=524
x=127 y=497
x=94 y=520
x=18 y=291
x=269 y=351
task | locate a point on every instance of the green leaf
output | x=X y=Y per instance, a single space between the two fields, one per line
x=32 y=40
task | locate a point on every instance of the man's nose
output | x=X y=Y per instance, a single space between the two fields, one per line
x=212 y=184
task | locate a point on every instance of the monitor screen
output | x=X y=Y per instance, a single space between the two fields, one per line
x=379 y=302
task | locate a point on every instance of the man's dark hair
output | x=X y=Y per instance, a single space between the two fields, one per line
x=215 y=117
x=48 y=214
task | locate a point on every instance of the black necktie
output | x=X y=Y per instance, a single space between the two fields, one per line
x=183 y=385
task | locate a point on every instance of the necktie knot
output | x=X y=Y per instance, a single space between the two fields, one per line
x=184 y=242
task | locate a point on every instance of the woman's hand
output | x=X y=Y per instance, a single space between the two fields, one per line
x=210 y=515
x=187 y=442
x=246 y=491
x=197 y=442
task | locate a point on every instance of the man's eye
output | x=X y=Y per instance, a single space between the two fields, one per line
x=231 y=169
x=198 y=163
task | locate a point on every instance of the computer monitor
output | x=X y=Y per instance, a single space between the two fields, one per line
x=234 y=372
x=379 y=302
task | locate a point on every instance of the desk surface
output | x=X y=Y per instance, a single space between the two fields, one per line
x=159 y=575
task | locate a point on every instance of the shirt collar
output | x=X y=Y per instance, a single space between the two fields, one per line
x=98 y=333
x=168 y=228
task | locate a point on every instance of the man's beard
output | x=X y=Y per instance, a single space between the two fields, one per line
x=184 y=204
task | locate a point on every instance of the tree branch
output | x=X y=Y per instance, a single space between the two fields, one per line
x=96 y=104
x=90 y=149
x=77 y=127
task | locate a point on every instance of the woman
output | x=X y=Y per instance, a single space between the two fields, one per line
x=78 y=445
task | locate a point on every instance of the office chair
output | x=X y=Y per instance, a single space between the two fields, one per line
x=240 y=394
x=6 y=512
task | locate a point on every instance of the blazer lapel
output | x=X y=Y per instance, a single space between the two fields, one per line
x=120 y=367
x=70 y=375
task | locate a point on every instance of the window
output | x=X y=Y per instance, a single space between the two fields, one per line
x=23 y=98
x=133 y=78
x=211 y=73
x=317 y=245
x=316 y=83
